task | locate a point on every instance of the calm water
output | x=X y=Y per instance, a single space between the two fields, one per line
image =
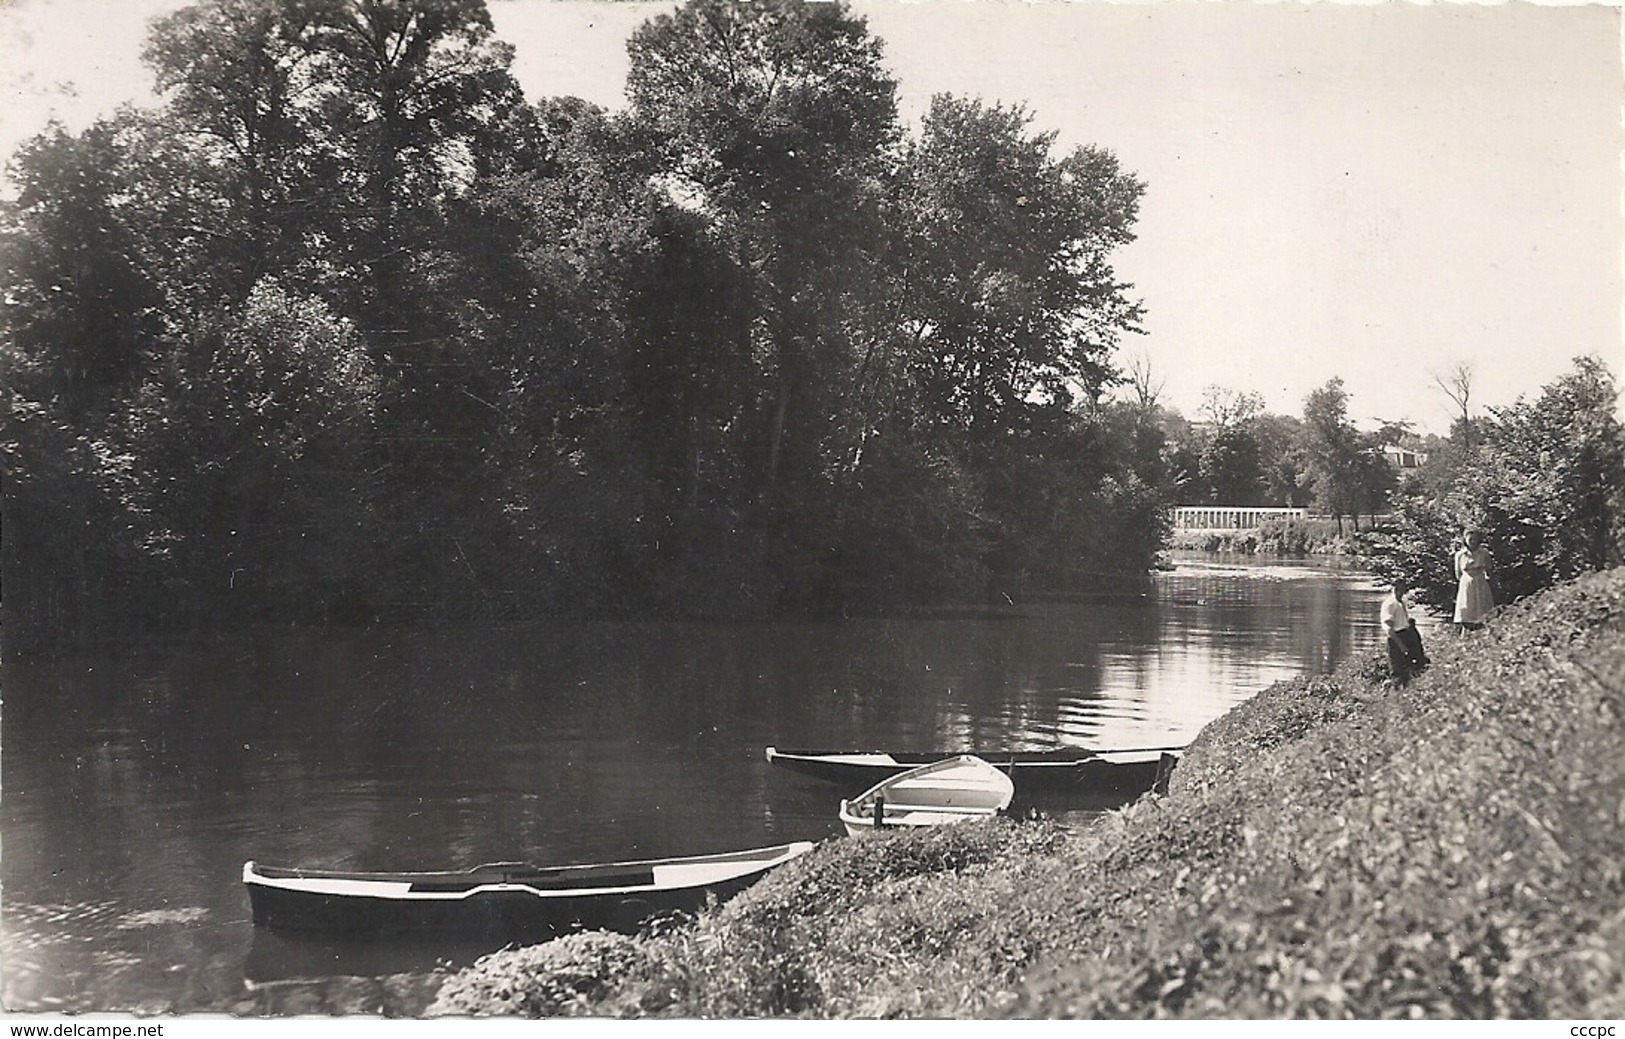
x=135 y=786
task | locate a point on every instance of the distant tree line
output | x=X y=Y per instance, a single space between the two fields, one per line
x=346 y=327
x=1236 y=453
x=1542 y=479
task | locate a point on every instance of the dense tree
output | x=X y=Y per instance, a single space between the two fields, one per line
x=343 y=321
x=81 y=304
x=777 y=117
x=1009 y=303
x=240 y=111
x=67 y=507
x=1283 y=460
x=1332 y=449
x=1004 y=312
x=1546 y=484
x=1231 y=460
x=1549 y=481
x=254 y=432
x=1232 y=466
x=413 y=86
x=1183 y=457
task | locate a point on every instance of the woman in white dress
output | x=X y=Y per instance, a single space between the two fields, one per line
x=1474 y=596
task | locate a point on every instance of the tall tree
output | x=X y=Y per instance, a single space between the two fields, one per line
x=240 y=97
x=1332 y=447
x=777 y=117
x=1007 y=313
x=1232 y=466
x=412 y=90
x=1010 y=305
x=1280 y=444
x=82 y=303
x=1232 y=458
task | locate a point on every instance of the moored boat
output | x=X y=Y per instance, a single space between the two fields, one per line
x=1075 y=769
x=504 y=899
x=953 y=790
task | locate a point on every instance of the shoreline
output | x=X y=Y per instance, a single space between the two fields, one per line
x=1276 y=539
x=1329 y=848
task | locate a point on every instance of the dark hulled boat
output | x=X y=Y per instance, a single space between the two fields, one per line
x=501 y=900
x=1065 y=769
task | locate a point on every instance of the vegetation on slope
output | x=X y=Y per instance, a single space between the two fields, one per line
x=1331 y=849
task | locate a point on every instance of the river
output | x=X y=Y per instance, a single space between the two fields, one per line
x=136 y=783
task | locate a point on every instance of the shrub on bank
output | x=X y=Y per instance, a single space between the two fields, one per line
x=1332 y=848
x=552 y=979
x=1545 y=486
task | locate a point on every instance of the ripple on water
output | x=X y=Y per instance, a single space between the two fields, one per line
x=27 y=916
x=160 y=917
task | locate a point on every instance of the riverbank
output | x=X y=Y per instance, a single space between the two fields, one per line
x=1313 y=537
x=1329 y=849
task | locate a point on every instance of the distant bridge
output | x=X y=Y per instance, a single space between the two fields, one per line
x=1229 y=517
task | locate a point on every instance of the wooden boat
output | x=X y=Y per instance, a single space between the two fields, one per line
x=510 y=900
x=952 y=790
x=1065 y=769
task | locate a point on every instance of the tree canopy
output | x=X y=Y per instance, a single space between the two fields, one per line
x=345 y=326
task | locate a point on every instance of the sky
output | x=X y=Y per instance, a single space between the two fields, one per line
x=1373 y=191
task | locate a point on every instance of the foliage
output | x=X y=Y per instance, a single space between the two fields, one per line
x=1546 y=485
x=80 y=301
x=1342 y=465
x=1331 y=445
x=255 y=428
x=1231 y=466
x=237 y=74
x=553 y=979
x=343 y=319
x=1240 y=454
x=70 y=507
x=776 y=118
x=1008 y=305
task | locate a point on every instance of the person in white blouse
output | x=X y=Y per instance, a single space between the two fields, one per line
x=1405 y=654
x=1475 y=587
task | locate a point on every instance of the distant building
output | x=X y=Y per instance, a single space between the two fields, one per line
x=1403 y=458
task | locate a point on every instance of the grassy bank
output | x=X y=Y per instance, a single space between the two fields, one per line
x=1329 y=849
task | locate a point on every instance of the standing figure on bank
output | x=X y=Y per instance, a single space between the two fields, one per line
x=1475 y=597
x=1405 y=654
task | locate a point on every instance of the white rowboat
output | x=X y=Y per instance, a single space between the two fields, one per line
x=952 y=790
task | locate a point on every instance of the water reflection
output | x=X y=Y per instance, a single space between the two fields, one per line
x=137 y=784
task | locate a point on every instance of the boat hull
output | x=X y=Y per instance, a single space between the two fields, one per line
x=953 y=790
x=859 y=824
x=1058 y=771
x=503 y=901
